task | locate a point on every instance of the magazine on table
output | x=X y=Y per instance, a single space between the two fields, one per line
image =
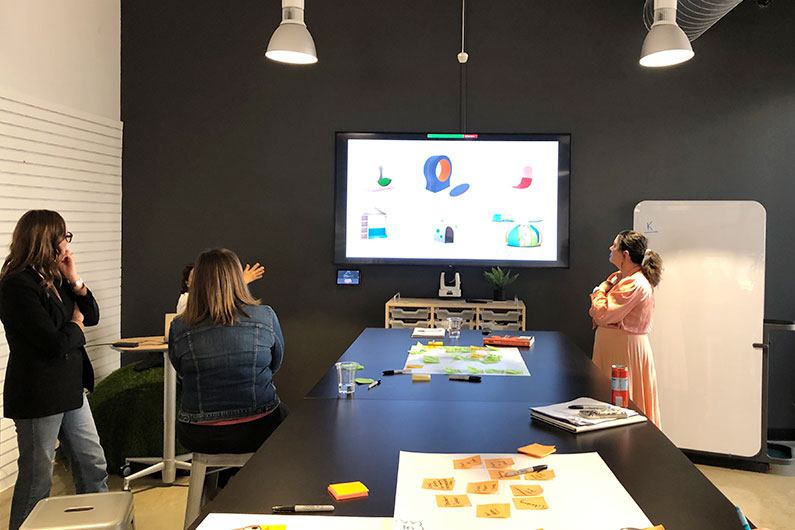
x=585 y=414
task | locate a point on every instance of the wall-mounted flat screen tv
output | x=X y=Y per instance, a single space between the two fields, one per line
x=452 y=199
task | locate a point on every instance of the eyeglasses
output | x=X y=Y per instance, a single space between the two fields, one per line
x=68 y=237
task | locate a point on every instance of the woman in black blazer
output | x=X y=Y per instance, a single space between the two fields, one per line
x=44 y=307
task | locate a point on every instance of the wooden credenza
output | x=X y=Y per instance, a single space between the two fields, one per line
x=432 y=312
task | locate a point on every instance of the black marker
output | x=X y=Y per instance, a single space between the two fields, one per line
x=533 y=469
x=395 y=372
x=298 y=508
x=589 y=407
x=468 y=378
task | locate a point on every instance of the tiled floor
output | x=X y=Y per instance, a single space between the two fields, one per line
x=768 y=500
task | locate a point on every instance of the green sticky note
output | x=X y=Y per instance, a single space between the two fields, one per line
x=460 y=358
x=489 y=360
x=363 y=380
x=491 y=348
x=473 y=370
x=359 y=366
x=449 y=370
x=430 y=359
x=494 y=371
x=514 y=372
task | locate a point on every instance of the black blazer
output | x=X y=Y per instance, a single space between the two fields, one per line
x=48 y=366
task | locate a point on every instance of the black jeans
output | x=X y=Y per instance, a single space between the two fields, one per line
x=236 y=438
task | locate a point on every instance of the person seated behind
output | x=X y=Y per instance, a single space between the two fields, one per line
x=226 y=346
x=250 y=274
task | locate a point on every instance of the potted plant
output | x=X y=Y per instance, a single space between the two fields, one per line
x=498 y=279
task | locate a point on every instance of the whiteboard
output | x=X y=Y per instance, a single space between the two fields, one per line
x=709 y=312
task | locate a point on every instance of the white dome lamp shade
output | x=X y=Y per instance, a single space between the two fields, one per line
x=291 y=42
x=666 y=44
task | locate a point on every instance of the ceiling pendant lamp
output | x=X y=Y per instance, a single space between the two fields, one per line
x=666 y=44
x=291 y=42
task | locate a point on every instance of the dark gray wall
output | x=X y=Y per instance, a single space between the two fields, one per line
x=225 y=148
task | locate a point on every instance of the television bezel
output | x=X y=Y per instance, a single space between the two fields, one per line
x=341 y=193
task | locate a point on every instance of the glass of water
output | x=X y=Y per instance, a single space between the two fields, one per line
x=346 y=375
x=454 y=327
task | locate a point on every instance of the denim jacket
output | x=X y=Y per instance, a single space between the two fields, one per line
x=227 y=370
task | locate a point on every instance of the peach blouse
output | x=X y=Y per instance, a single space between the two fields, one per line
x=629 y=305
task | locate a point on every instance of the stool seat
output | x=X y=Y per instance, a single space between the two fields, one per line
x=200 y=463
x=98 y=511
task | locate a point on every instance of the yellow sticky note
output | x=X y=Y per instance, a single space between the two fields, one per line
x=444 y=484
x=477 y=348
x=420 y=378
x=537 y=450
x=452 y=501
x=499 y=474
x=494 y=511
x=530 y=503
x=527 y=490
x=348 y=490
x=498 y=463
x=468 y=462
x=546 y=474
x=485 y=487
x=415 y=366
x=478 y=356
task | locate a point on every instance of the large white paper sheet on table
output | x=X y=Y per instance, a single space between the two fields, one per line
x=233 y=521
x=462 y=358
x=583 y=494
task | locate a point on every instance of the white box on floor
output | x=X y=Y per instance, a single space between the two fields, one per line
x=98 y=511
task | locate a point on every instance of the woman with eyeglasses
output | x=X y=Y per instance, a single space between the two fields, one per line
x=44 y=307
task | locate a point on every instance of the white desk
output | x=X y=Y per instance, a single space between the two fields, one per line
x=169 y=463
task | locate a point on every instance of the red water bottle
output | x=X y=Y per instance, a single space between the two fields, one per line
x=619 y=385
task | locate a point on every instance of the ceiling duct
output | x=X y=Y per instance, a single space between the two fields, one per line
x=693 y=16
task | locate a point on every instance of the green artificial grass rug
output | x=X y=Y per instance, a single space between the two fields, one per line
x=128 y=410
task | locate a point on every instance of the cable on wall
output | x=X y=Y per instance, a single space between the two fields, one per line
x=463 y=57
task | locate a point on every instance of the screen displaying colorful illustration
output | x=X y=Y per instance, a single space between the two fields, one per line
x=452 y=198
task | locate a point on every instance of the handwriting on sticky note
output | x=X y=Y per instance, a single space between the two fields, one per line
x=498 y=463
x=452 y=501
x=444 y=484
x=467 y=463
x=527 y=490
x=499 y=474
x=537 y=450
x=494 y=511
x=530 y=503
x=547 y=474
x=485 y=487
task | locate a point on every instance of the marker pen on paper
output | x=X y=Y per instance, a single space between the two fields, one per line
x=533 y=469
x=299 y=508
x=589 y=407
x=743 y=520
x=469 y=378
x=396 y=372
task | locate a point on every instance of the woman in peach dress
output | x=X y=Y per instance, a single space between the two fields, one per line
x=622 y=307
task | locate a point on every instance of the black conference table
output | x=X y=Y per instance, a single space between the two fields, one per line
x=327 y=439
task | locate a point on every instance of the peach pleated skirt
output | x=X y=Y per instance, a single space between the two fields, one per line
x=615 y=346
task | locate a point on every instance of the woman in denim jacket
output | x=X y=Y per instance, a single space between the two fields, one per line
x=226 y=346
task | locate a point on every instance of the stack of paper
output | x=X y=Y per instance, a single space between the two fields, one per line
x=427 y=333
x=560 y=415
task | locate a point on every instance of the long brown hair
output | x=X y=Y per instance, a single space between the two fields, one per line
x=217 y=291
x=638 y=247
x=35 y=244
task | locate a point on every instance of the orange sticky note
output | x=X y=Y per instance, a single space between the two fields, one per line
x=547 y=474
x=537 y=450
x=348 y=490
x=494 y=511
x=499 y=474
x=498 y=463
x=468 y=462
x=452 y=501
x=530 y=503
x=527 y=490
x=415 y=366
x=443 y=484
x=486 y=487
